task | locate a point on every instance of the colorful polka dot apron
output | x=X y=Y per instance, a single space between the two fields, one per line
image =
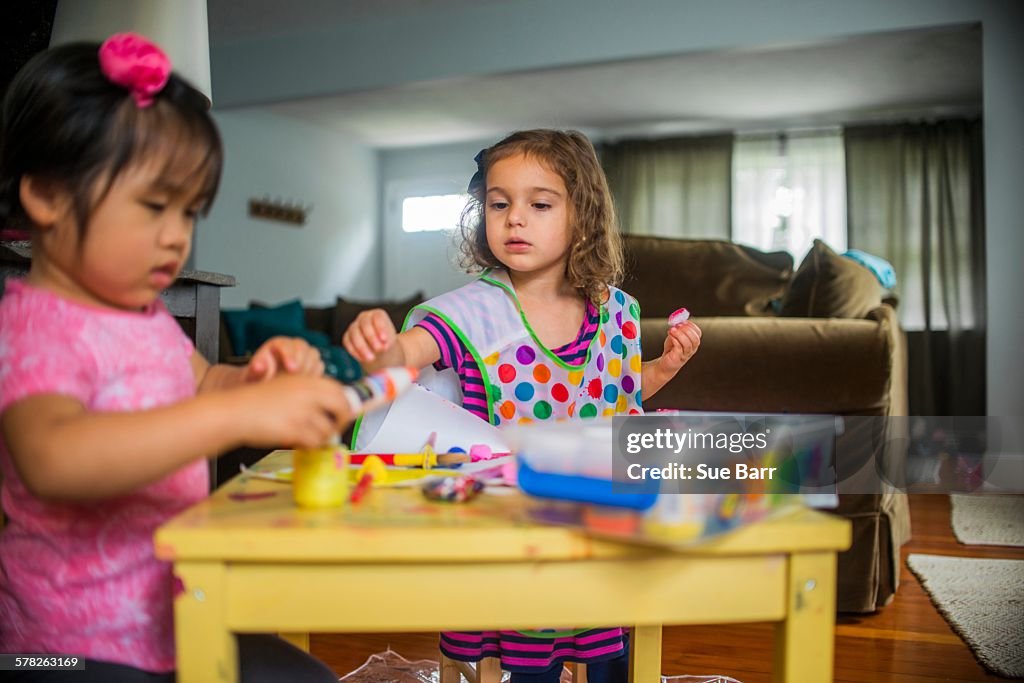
x=524 y=380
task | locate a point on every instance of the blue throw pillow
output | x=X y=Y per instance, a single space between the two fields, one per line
x=881 y=268
x=287 y=316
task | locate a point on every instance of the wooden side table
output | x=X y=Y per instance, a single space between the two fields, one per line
x=194 y=299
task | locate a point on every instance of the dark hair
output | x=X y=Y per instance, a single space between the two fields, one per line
x=595 y=252
x=65 y=123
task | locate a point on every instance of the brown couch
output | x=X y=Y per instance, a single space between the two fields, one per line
x=756 y=361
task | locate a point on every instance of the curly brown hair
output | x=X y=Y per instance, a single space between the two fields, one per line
x=595 y=255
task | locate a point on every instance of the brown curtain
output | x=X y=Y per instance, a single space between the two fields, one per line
x=672 y=187
x=915 y=196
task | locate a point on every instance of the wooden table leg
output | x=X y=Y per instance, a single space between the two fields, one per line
x=207 y=652
x=488 y=670
x=805 y=640
x=645 y=654
x=579 y=672
x=450 y=671
x=299 y=640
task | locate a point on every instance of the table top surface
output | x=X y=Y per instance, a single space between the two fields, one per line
x=251 y=519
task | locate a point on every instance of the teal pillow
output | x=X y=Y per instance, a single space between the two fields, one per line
x=288 y=316
x=340 y=365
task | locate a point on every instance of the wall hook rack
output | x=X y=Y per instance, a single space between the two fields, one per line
x=277 y=210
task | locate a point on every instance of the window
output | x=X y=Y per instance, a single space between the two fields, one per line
x=789 y=189
x=433 y=212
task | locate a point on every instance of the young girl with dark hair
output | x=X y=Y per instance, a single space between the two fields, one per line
x=107 y=413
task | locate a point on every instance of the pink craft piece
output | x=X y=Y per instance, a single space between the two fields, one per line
x=136 y=63
x=679 y=316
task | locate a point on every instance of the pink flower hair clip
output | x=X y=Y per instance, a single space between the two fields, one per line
x=136 y=63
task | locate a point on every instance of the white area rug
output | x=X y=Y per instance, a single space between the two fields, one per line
x=983 y=600
x=988 y=520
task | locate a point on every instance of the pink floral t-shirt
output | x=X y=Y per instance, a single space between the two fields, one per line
x=81 y=579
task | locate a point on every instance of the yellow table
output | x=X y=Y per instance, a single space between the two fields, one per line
x=253 y=562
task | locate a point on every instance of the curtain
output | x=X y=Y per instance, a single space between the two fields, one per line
x=672 y=187
x=915 y=196
x=789 y=189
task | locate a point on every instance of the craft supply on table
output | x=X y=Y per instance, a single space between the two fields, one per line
x=573 y=461
x=375 y=390
x=482 y=451
x=320 y=476
x=582 y=481
x=373 y=471
x=426 y=458
x=398 y=477
x=458 y=489
x=401 y=427
x=242 y=496
x=678 y=317
x=611 y=521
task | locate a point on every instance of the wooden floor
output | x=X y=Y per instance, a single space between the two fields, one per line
x=906 y=641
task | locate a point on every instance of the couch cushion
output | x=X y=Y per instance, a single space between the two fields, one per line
x=709 y=277
x=779 y=365
x=345 y=312
x=259 y=332
x=828 y=285
x=320 y=318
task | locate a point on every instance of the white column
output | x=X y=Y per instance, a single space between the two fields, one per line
x=179 y=27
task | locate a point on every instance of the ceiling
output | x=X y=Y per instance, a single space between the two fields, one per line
x=900 y=74
x=235 y=19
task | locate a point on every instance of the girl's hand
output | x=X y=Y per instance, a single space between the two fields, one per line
x=371 y=334
x=681 y=343
x=283 y=355
x=293 y=411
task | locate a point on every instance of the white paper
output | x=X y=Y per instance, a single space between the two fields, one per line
x=405 y=425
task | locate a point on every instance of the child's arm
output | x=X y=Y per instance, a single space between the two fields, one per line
x=373 y=341
x=275 y=356
x=63 y=452
x=681 y=343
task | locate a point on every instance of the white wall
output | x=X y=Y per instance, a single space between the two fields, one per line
x=334 y=253
x=424 y=260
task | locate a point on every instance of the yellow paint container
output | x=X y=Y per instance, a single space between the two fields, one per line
x=320 y=477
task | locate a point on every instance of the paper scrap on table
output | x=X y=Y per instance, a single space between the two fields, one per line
x=414 y=415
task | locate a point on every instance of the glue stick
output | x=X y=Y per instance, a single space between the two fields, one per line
x=379 y=388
